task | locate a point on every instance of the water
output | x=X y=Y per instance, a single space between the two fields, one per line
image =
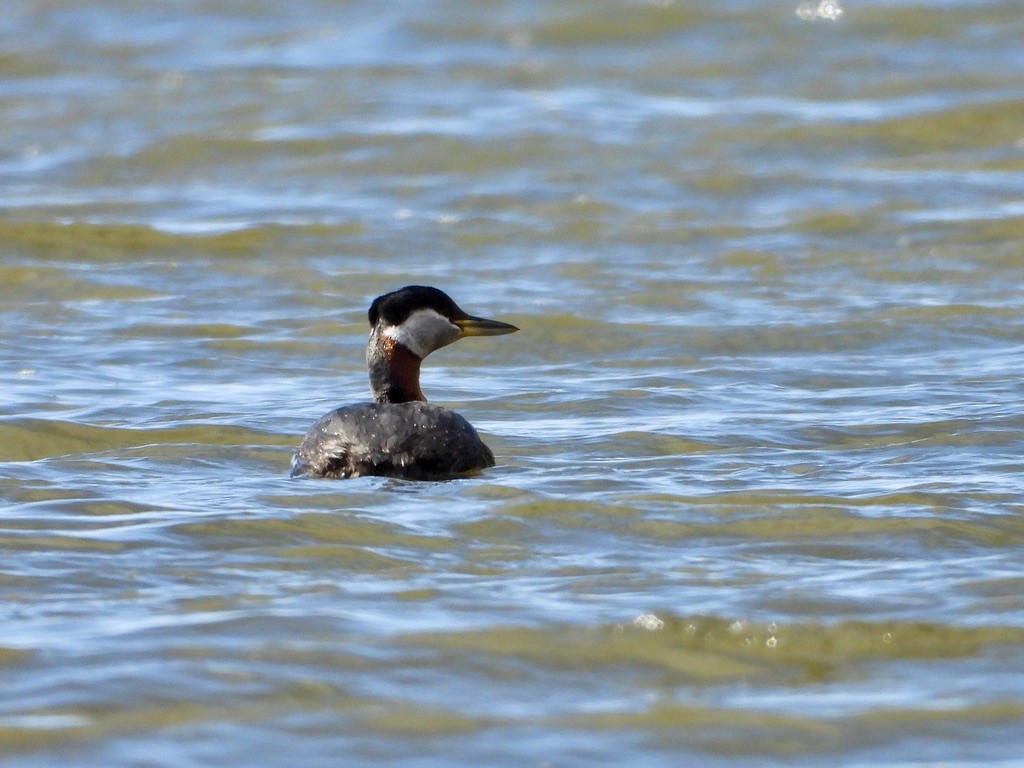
x=759 y=494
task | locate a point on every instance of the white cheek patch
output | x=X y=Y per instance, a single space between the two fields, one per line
x=423 y=331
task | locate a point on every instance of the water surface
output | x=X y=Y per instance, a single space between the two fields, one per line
x=759 y=494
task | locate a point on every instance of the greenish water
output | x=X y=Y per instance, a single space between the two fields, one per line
x=758 y=498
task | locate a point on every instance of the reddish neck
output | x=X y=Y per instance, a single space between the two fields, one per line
x=394 y=371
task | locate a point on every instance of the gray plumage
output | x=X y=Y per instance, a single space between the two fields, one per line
x=414 y=440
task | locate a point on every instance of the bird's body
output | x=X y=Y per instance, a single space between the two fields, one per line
x=400 y=434
x=415 y=440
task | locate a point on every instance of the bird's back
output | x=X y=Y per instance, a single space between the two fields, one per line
x=413 y=440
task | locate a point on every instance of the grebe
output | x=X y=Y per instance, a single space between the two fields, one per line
x=400 y=434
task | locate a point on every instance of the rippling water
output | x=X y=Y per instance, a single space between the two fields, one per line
x=759 y=495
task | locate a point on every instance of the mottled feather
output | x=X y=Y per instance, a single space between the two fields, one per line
x=413 y=440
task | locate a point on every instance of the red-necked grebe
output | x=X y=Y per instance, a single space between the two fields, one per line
x=400 y=434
